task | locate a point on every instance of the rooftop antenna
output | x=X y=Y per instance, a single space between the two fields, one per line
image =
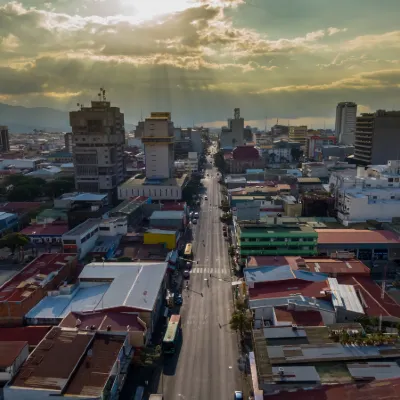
x=141 y=115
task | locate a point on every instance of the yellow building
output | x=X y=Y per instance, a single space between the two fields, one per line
x=159 y=236
x=298 y=134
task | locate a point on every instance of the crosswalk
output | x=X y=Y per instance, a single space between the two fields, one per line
x=209 y=270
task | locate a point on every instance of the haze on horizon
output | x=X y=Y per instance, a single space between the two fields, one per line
x=292 y=60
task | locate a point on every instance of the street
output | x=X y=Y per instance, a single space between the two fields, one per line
x=206 y=366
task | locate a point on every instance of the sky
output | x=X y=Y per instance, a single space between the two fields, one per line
x=291 y=60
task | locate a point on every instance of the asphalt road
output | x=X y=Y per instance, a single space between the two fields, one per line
x=206 y=366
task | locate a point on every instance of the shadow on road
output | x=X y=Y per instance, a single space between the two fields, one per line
x=171 y=360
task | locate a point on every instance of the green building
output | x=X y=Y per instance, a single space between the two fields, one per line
x=276 y=240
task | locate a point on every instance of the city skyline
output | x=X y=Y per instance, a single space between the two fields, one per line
x=200 y=59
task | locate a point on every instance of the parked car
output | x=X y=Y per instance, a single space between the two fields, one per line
x=238 y=395
x=178 y=299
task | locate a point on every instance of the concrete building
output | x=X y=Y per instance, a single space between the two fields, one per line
x=50 y=233
x=298 y=134
x=4 y=139
x=233 y=135
x=281 y=152
x=158 y=140
x=340 y=152
x=314 y=144
x=25 y=289
x=345 y=124
x=68 y=142
x=188 y=165
x=374 y=192
x=377 y=137
x=98 y=136
x=196 y=140
x=8 y=222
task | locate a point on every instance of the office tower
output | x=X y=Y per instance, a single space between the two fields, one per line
x=158 y=140
x=377 y=137
x=68 y=142
x=298 y=134
x=233 y=134
x=4 y=139
x=98 y=137
x=345 y=124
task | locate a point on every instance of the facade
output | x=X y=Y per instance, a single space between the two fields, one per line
x=4 y=139
x=298 y=134
x=196 y=140
x=169 y=238
x=281 y=152
x=98 y=136
x=244 y=158
x=375 y=136
x=50 y=233
x=345 y=124
x=264 y=239
x=233 y=135
x=314 y=144
x=68 y=142
x=158 y=140
x=373 y=192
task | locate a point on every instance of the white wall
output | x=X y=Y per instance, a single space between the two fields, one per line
x=155 y=192
x=157 y=161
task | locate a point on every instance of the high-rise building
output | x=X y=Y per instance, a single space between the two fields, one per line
x=4 y=139
x=345 y=124
x=98 y=137
x=377 y=137
x=233 y=134
x=298 y=134
x=68 y=142
x=158 y=140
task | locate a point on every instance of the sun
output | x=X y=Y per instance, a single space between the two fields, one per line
x=150 y=9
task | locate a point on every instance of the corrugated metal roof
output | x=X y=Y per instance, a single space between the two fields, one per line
x=167 y=215
x=345 y=296
x=374 y=370
x=284 y=332
x=9 y=352
x=295 y=374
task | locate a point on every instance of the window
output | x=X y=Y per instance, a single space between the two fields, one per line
x=390 y=180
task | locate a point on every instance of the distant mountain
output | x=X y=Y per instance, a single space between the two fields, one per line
x=24 y=120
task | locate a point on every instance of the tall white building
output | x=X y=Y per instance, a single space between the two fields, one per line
x=158 y=139
x=345 y=125
x=370 y=193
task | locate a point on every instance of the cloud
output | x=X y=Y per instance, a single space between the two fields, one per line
x=387 y=39
x=333 y=31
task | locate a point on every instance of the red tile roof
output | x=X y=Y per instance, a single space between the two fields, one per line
x=371 y=294
x=117 y=321
x=387 y=389
x=357 y=236
x=172 y=206
x=32 y=276
x=45 y=230
x=31 y=334
x=271 y=261
x=288 y=287
x=244 y=153
x=9 y=351
x=301 y=318
x=20 y=207
x=333 y=266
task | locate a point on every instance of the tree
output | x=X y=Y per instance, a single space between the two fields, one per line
x=58 y=187
x=150 y=356
x=296 y=153
x=13 y=241
x=241 y=321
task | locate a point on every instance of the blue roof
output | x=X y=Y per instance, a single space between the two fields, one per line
x=162 y=231
x=81 y=299
x=254 y=171
x=281 y=273
x=84 y=197
x=5 y=215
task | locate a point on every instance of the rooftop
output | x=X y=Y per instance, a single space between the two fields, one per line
x=118 y=322
x=370 y=295
x=132 y=182
x=335 y=266
x=36 y=274
x=56 y=229
x=356 y=236
x=300 y=318
x=167 y=215
x=9 y=352
x=93 y=372
x=83 y=197
x=43 y=369
x=84 y=227
x=253 y=230
x=378 y=390
x=244 y=153
x=308 y=180
x=289 y=287
x=374 y=370
x=128 y=206
x=31 y=334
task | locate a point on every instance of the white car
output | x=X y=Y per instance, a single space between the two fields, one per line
x=205 y=198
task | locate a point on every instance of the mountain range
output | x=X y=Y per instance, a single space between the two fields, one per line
x=24 y=120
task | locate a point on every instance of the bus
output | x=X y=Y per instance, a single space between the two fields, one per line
x=188 y=251
x=172 y=335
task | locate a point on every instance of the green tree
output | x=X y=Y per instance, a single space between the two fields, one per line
x=14 y=241
x=24 y=193
x=58 y=187
x=241 y=321
x=219 y=161
x=150 y=356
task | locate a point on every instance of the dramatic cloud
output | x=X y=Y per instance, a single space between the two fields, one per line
x=195 y=56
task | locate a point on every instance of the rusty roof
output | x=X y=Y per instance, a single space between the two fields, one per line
x=31 y=334
x=43 y=369
x=94 y=370
x=335 y=266
x=357 y=236
x=9 y=351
